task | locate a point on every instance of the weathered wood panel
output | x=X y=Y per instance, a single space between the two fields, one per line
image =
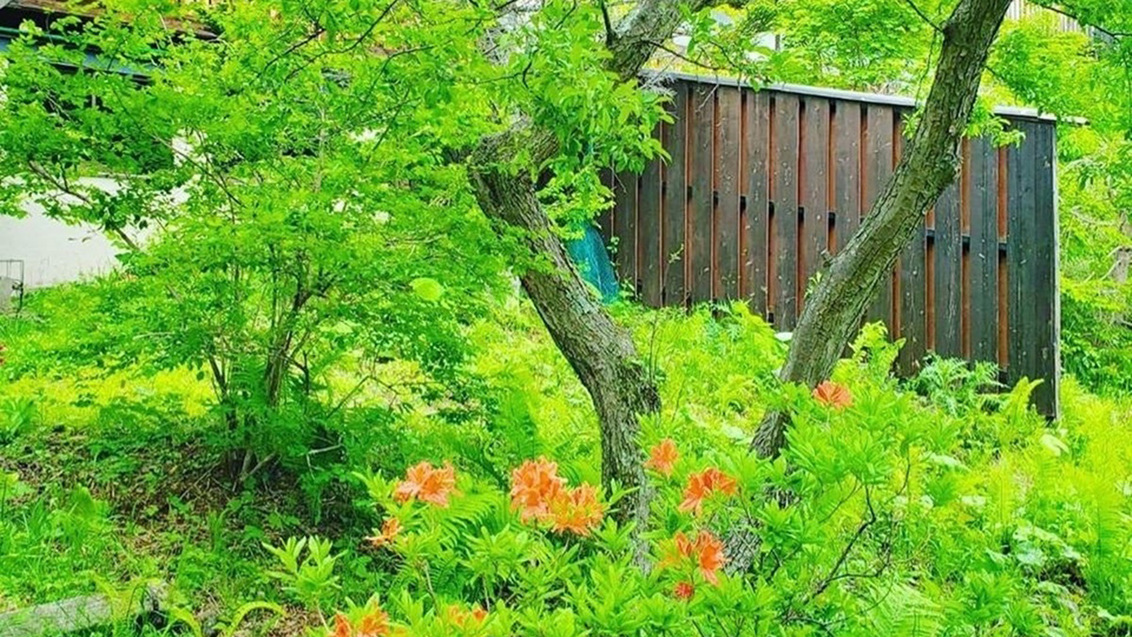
x=649 y=233
x=982 y=197
x=813 y=176
x=625 y=228
x=701 y=206
x=761 y=183
x=674 y=136
x=877 y=169
x=756 y=139
x=784 y=197
x=728 y=150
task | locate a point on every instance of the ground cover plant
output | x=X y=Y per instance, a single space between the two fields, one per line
x=931 y=507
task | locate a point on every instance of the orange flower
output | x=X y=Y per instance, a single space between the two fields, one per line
x=427 y=484
x=373 y=624
x=663 y=457
x=684 y=590
x=706 y=551
x=709 y=556
x=577 y=510
x=389 y=530
x=703 y=484
x=534 y=485
x=342 y=627
x=833 y=395
x=459 y=617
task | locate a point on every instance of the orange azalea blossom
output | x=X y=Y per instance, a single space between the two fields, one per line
x=373 y=624
x=706 y=551
x=577 y=510
x=684 y=590
x=663 y=457
x=459 y=617
x=534 y=485
x=833 y=395
x=389 y=531
x=426 y=483
x=703 y=484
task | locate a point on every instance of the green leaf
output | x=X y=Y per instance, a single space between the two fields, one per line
x=428 y=289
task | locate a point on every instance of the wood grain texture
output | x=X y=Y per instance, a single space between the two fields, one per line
x=814 y=184
x=757 y=192
x=675 y=199
x=649 y=231
x=728 y=156
x=784 y=164
x=982 y=197
x=701 y=206
x=877 y=170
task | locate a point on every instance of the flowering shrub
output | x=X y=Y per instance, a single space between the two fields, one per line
x=884 y=516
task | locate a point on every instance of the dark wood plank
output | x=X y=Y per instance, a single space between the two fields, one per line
x=813 y=177
x=982 y=197
x=605 y=217
x=649 y=266
x=912 y=326
x=1021 y=200
x=846 y=171
x=877 y=170
x=625 y=228
x=947 y=269
x=755 y=217
x=1046 y=352
x=727 y=181
x=673 y=249
x=701 y=206
x=784 y=163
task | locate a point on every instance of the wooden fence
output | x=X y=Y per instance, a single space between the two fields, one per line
x=763 y=185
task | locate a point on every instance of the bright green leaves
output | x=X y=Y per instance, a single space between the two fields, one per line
x=428 y=289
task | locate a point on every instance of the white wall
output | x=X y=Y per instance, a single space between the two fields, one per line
x=53 y=252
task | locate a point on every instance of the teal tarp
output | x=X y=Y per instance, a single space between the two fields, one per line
x=593 y=262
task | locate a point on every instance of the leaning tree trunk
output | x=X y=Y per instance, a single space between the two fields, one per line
x=601 y=353
x=927 y=167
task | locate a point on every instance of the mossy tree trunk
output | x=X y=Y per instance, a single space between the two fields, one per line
x=929 y=163
x=602 y=353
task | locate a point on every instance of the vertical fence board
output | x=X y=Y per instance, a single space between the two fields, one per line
x=701 y=207
x=674 y=251
x=982 y=184
x=846 y=171
x=784 y=162
x=1044 y=254
x=625 y=228
x=948 y=254
x=1021 y=165
x=757 y=141
x=877 y=169
x=814 y=181
x=649 y=232
x=727 y=152
x=605 y=217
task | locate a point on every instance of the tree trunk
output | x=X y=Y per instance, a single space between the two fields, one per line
x=839 y=302
x=601 y=353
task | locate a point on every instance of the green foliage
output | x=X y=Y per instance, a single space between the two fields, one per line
x=307 y=288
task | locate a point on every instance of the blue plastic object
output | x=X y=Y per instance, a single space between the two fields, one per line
x=593 y=262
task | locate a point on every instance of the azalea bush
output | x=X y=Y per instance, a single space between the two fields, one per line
x=886 y=515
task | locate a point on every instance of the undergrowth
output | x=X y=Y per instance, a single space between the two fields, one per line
x=985 y=518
